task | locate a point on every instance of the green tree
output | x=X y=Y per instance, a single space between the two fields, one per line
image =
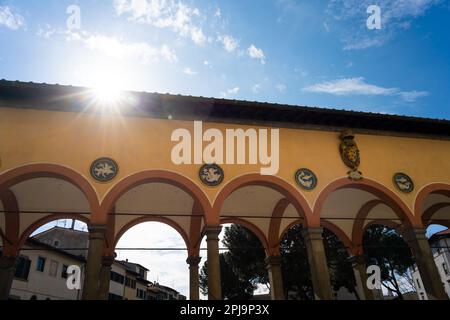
x=233 y=287
x=385 y=248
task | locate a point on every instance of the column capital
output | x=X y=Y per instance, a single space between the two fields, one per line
x=312 y=233
x=97 y=231
x=411 y=234
x=107 y=261
x=272 y=260
x=193 y=261
x=212 y=232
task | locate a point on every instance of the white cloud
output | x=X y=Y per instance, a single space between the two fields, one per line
x=229 y=92
x=229 y=43
x=358 y=86
x=281 y=88
x=140 y=51
x=218 y=13
x=189 y=71
x=395 y=17
x=10 y=19
x=256 y=88
x=256 y=53
x=170 y=14
x=411 y=96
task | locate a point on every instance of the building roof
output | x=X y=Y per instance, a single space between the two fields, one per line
x=30 y=95
x=72 y=241
x=444 y=234
x=36 y=243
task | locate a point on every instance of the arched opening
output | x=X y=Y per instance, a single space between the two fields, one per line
x=242 y=256
x=47 y=249
x=31 y=197
x=296 y=269
x=150 y=262
x=385 y=248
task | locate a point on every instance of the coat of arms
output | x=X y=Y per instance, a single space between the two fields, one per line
x=306 y=179
x=350 y=154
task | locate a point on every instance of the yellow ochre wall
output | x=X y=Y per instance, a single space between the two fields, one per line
x=141 y=143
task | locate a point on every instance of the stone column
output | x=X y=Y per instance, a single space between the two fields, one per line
x=214 y=284
x=91 y=287
x=193 y=277
x=105 y=276
x=273 y=265
x=418 y=242
x=360 y=271
x=320 y=275
x=7 y=271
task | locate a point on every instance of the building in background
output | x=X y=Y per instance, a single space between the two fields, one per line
x=41 y=271
x=160 y=292
x=440 y=246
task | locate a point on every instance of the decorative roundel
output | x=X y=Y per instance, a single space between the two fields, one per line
x=306 y=179
x=211 y=175
x=403 y=182
x=104 y=169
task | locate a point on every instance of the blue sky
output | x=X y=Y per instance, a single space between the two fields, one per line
x=305 y=52
x=315 y=53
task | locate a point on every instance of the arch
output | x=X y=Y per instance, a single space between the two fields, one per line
x=47 y=170
x=275 y=223
x=348 y=244
x=272 y=182
x=153 y=176
x=163 y=220
x=387 y=196
x=433 y=188
x=250 y=226
x=57 y=216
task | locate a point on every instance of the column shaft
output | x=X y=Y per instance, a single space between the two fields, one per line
x=214 y=282
x=193 y=277
x=105 y=276
x=320 y=275
x=429 y=273
x=273 y=265
x=91 y=287
x=360 y=272
x=7 y=271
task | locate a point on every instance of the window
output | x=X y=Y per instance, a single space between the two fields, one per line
x=53 y=268
x=113 y=296
x=23 y=268
x=130 y=283
x=64 y=271
x=56 y=243
x=418 y=284
x=117 y=277
x=141 y=294
x=444 y=266
x=40 y=264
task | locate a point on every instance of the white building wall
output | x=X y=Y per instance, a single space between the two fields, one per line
x=42 y=284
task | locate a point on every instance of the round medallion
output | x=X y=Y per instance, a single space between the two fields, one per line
x=104 y=169
x=211 y=175
x=306 y=179
x=403 y=182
